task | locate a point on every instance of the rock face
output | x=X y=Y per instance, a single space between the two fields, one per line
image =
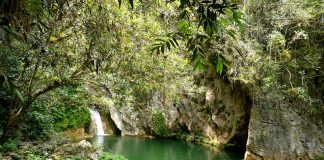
x=78 y=133
x=269 y=128
x=53 y=149
x=285 y=131
x=108 y=129
x=127 y=121
x=222 y=115
x=80 y=150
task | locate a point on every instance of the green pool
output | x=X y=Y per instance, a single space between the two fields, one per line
x=135 y=148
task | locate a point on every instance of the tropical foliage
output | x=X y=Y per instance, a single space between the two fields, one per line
x=159 y=124
x=59 y=57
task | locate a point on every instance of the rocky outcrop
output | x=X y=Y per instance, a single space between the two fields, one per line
x=128 y=121
x=285 y=130
x=107 y=126
x=82 y=149
x=221 y=115
x=269 y=128
x=78 y=133
x=54 y=149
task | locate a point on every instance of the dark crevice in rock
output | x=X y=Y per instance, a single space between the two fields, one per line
x=113 y=125
x=238 y=142
x=183 y=127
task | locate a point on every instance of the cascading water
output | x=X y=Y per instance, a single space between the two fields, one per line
x=97 y=119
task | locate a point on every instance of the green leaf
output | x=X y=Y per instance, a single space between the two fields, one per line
x=19 y=95
x=154 y=49
x=160 y=39
x=191 y=47
x=190 y=42
x=196 y=56
x=168 y=45
x=172 y=43
x=200 y=49
x=195 y=52
x=200 y=66
x=231 y=33
x=238 y=18
x=162 y=49
x=209 y=27
x=182 y=26
x=219 y=66
x=183 y=14
x=157 y=45
x=175 y=41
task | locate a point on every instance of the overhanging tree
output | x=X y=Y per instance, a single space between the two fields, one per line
x=45 y=48
x=49 y=44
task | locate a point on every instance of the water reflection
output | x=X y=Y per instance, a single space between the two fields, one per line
x=99 y=141
x=135 y=148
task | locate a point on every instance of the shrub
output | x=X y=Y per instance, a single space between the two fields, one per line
x=10 y=145
x=34 y=157
x=70 y=117
x=159 y=124
x=59 y=110
x=37 y=122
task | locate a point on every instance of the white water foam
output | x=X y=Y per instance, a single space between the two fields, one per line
x=97 y=119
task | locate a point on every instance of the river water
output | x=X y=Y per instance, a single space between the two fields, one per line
x=136 y=148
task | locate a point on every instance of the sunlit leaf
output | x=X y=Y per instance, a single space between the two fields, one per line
x=175 y=41
x=219 y=66
x=19 y=95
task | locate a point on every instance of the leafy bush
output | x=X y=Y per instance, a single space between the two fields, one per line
x=70 y=117
x=34 y=157
x=62 y=109
x=10 y=145
x=38 y=122
x=109 y=156
x=70 y=110
x=159 y=124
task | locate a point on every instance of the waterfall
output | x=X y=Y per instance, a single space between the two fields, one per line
x=97 y=119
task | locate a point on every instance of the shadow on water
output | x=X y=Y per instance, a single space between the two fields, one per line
x=136 y=148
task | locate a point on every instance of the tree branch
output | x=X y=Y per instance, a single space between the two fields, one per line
x=30 y=83
x=50 y=87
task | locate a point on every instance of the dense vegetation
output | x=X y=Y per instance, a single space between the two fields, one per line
x=159 y=126
x=57 y=58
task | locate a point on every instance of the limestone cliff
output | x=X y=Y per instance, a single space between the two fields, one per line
x=222 y=115
x=269 y=127
x=285 y=130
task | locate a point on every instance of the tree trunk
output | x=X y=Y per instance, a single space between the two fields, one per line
x=12 y=123
x=6 y=131
x=14 y=120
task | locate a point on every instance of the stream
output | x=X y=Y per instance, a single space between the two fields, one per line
x=137 y=148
